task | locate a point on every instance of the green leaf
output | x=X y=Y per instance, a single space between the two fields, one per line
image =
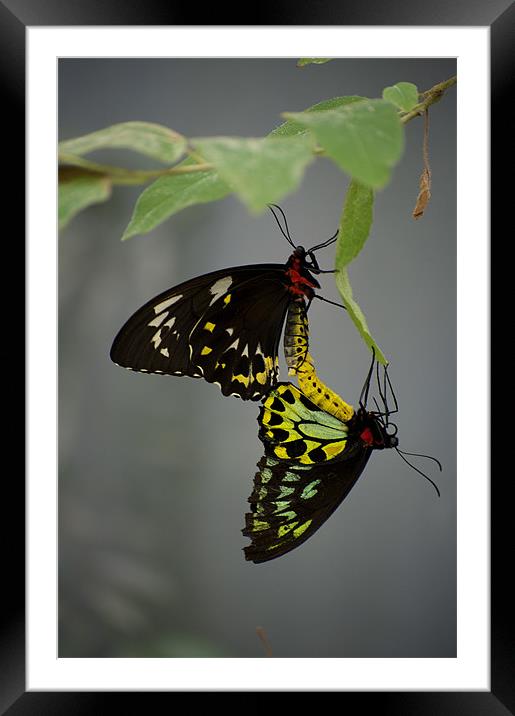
x=291 y=128
x=403 y=95
x=355 y=222
x=153 y=140
x=170 y=194
x=364 y=138
x=356 y=314
x=79 y=188
x=313 y=61
x=259 y=171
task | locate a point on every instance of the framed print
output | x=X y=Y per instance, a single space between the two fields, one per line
x=138 y=485
x=220 y=424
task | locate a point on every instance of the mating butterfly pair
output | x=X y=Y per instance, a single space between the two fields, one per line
x=225 y=327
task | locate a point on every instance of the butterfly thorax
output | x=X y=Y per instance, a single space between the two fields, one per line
x=371 y=432
x=300 y=281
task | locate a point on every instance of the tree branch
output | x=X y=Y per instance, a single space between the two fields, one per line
x=431 y=96
x=118 y=175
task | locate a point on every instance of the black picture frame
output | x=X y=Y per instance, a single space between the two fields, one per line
x=15 y=17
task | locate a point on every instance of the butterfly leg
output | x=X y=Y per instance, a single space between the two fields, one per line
x=315 y=266
x=326 y=300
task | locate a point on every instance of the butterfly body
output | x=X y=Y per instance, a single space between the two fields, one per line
x=301 y=364
x=301 y=282
x=224 y=326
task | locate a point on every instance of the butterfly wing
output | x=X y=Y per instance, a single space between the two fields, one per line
x=294 y=429
x=290 y=502
x=224 y=326
x=311 y=462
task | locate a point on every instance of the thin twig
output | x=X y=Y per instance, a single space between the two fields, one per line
x=430 y=97
x=425 y=144
x=264 y=639
x=425 y=178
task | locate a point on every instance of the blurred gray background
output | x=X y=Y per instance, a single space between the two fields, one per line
x=155 y=471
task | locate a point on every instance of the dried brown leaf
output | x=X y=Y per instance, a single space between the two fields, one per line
x=424 y=194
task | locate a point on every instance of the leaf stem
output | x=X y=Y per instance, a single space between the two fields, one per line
x=430 y=97
x=118 y=175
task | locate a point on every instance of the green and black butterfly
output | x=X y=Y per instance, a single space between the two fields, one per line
x=312 y=457
x=224 y=326
x=312 y=460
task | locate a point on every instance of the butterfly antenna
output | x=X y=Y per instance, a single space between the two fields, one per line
x=326 y=243
x=419 y=471
x=418 y=454
x=286 y=233
x=366 y=384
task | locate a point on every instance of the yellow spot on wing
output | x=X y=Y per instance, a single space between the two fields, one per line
x=284 y=529
x=302 y=528
x=242 y=379
x=259 y=525
x=206 y=351
x=209 y=326
x=227 y=299
x=285 y=424
x=292 y=434
x=306 y=460
x=282 y=453
x=287 y=515
x=334 y=448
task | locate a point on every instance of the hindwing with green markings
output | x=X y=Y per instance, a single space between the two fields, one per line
x=294 y=428
x=290 y=502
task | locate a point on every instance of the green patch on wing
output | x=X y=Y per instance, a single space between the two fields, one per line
x=297 y=500
x=294 y=428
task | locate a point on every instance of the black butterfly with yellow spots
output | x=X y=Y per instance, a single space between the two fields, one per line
x=224 y=326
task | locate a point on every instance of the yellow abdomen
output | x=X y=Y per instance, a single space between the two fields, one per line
x=301 y=364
